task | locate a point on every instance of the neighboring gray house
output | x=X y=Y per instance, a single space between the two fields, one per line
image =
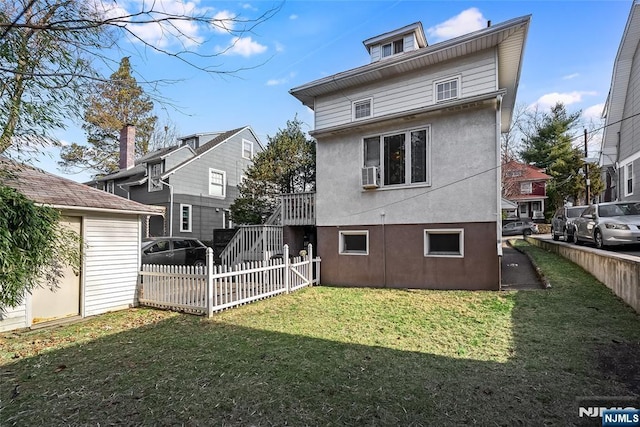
x=111 y=231
x=196 y=180
x=408 y=159
x=620 y=155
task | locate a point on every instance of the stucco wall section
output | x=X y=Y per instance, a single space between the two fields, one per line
x=463 y=175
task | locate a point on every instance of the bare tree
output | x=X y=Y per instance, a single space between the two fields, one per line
x=51 y=49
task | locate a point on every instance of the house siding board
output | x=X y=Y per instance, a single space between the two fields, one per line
x=406 y=266
x=194 y=178
x=141 y=194
x=13 y=318
x=469 y=179
x=177 y=157
x=630 y=128
x=410 y=91
x=112 y=285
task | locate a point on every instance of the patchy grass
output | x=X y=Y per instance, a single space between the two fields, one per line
x=335 y=356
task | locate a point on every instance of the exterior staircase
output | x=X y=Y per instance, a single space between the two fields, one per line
x=261 y=242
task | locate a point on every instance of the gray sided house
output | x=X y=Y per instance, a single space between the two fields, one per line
x=195 y=181
x=620 y=155
x=111 y=230
x=408 y=159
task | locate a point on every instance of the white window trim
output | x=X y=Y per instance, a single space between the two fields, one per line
x=224 y=183
x=341 y=250
x=246 y=141
x=408 y=183
x=627 y=178
x=526 y=187
x=359 y=101
x=182 y=206
x=111 y=187
x=458 y=78
x=428 y=231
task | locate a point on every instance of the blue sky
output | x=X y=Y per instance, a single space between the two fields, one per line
x=569 y=57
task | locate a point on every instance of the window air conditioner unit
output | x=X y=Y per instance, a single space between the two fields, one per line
x=370 y=177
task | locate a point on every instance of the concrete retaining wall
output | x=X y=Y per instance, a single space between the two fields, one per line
x=619 y=272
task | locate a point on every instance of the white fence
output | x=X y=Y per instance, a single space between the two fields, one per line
x=205 y=290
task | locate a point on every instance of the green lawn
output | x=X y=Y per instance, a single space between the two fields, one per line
x=335 y=356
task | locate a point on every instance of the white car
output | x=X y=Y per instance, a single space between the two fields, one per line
x=608 y=224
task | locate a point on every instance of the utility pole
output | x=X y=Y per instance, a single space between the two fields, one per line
x=586 y=170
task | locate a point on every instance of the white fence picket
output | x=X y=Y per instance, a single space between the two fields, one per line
x=214 y=288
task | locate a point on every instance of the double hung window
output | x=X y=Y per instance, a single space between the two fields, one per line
x=402 y=156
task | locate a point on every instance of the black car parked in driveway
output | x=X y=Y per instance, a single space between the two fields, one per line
x=174 y=251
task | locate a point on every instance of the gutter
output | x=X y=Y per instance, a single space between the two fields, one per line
x=499 y=176
x=100 y=210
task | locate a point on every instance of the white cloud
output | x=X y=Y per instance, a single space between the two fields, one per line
x=158 y=34
x=594 y=112
x=223 y=21
x=567 y=98
x=247 y=6
x=284 y=80
x=465 y=22
x=244 y=46
x=293 y=17
x=279 y=47
x=570 y=76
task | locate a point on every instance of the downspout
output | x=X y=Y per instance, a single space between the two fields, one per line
x=127 y=190
x=499 y=175
x=170 y=206
x=384 y=251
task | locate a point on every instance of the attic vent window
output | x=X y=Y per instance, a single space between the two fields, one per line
x=447 y=89
x=362 y=108
x=393 y=48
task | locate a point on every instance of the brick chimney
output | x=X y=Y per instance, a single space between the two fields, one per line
x=127 y=146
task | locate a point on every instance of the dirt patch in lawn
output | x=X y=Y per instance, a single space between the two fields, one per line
x=619 y=360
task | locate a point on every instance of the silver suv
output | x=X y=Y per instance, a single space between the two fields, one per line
x=562 y=222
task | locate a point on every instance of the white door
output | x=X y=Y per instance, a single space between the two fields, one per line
x=63 y=301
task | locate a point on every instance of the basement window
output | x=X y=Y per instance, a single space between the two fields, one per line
x=444 y=243
x=354 y=242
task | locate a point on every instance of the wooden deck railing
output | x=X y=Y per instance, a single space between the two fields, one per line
x=298 y=209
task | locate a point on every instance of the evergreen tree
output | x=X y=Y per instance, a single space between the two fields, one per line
x=114 y=104
x=287 y=165
x=550 y=147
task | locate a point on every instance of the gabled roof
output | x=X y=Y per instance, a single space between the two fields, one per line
x=139 y=168
x=509 y=37
x=614 y=107
x=528 y=172
x=52 y=190
x=200 y=151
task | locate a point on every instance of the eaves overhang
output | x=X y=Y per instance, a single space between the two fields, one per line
x=417 y=113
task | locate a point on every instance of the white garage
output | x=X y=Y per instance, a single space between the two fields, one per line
x=111 y=231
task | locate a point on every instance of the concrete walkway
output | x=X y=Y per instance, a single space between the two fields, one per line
x=518 y=273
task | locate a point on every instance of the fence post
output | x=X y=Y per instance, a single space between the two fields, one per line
x=209 y=282
x=285 y=257
x=310 y=259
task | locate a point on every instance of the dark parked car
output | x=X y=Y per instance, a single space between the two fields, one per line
x=526 y=228
x=174 y=251
x=562 y=222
